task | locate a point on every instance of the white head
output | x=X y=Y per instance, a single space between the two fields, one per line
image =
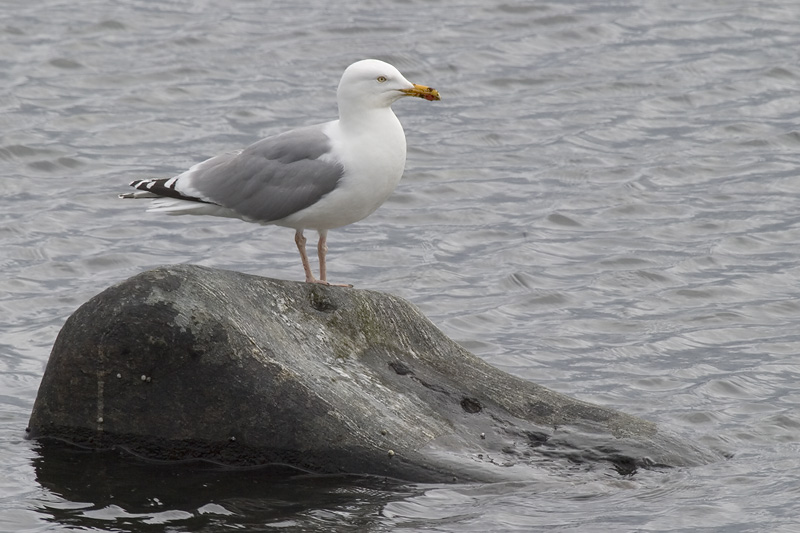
x=374 y=84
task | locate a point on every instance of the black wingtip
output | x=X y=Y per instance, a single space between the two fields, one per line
x=156 y=187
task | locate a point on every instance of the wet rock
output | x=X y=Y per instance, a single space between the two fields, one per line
x=186 y=362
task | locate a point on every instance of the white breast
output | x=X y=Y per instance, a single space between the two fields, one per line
x=373 y=154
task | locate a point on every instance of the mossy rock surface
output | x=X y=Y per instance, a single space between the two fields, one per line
x=184 y=362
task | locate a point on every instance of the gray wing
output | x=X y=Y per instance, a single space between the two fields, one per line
x=271 y=179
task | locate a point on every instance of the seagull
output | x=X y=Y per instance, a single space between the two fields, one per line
x=316 y=177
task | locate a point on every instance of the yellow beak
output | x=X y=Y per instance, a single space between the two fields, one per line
x=420 y=91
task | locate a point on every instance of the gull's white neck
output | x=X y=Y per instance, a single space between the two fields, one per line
x=360 y=118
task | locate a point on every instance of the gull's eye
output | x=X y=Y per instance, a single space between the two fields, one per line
x=381 y=79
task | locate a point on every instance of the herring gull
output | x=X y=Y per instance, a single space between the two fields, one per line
x=317 y=177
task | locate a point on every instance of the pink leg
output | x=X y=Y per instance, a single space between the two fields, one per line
x=322 y=249
x=300 y=241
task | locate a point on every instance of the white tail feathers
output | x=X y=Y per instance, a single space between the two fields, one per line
x=175 y=206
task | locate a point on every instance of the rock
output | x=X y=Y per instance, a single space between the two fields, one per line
x=186 y=362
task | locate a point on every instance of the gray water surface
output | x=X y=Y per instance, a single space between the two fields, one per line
x=605 y=202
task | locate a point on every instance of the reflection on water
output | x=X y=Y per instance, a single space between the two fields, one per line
x=114 y=488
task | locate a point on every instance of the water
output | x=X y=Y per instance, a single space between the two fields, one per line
x=605 y=202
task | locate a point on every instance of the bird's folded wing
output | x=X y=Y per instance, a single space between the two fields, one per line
x=268 y=180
